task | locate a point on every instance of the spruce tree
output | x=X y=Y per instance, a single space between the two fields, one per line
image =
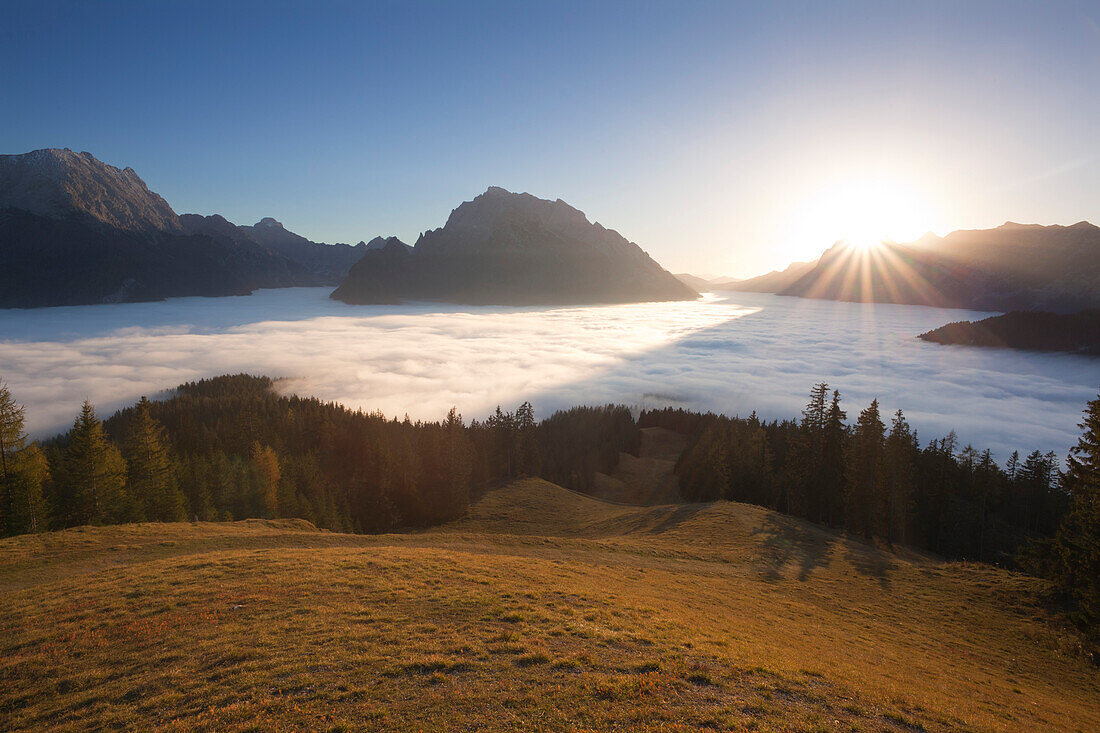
x=526 y=442
x=459 y=465
x=901 y=452
x=152 y=475
x=987 y=481
x=95 y=473
x=833 y=469
x=865 y=472
x=1072 y=559
x=811 y=493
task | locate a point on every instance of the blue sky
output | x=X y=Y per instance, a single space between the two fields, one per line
x=722 y=137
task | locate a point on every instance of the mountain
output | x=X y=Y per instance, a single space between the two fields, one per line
x=1011 y=267
x=60 y=183
x=382 y=242
x=513 y=249
x=75 y=230
x=75 y=260
x=694 y=282
x=704 y=283
x=328 y=263
x=1077 y=333
x=774 y=281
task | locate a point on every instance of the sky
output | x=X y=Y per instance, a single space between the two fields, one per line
x=724 y=138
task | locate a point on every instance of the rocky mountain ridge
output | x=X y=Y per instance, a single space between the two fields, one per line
x=75 y=230
x=507 y=248
x=1010 y=267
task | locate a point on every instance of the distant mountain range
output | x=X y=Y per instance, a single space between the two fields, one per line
x=513 y=249
x=1011 y=267
x=74 y=231
x=775 y=281
x=1077 y=333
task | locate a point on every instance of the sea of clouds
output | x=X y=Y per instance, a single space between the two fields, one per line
x=732 y=354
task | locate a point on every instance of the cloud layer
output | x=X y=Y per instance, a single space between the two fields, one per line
x=750 y=351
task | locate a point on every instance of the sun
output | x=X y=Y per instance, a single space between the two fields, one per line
x=863 y=212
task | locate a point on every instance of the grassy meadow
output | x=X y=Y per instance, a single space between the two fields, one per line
x=540 y=610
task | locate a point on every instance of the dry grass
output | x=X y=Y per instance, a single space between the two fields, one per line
x=541 y=610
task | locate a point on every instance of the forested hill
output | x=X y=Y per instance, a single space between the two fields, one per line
x=231 y=448
x=1077 y=333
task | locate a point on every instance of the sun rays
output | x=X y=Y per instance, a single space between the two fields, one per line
x=866 y=213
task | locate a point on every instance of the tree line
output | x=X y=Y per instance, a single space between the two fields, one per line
x=231 y=448
x=871 y=477
x=877 y=481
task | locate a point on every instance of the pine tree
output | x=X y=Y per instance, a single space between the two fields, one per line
x=1013 y=465
x=811 y=493
x=833 y=469
x=865 y=472
x=95 y=474
x=901 y=451
x=503 y=428
x=1072 y=559
x=987 y=480
x=459 y=465
x=526 y=441
x=152 y=475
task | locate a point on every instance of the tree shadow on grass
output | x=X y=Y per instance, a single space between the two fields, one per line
x=868 y=560
x=649 y=520
x=790 y=541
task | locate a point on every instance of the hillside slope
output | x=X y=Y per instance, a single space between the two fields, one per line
x=542 y=609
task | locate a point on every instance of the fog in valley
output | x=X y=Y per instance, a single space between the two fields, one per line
x=732 y=353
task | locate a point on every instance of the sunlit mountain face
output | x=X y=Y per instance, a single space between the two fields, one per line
x=1010 y=267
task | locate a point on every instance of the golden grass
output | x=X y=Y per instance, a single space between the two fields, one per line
x=542 y=609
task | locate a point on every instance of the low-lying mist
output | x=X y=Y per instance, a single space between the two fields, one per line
x=734 y=355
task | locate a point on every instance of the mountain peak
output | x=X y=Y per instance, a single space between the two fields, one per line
x=515 y=249
x=270 y=223
x=57 y=183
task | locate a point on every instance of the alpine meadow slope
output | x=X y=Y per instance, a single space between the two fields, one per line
x=540 y=609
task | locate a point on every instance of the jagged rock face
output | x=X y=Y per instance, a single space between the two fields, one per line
x=74 y=230
x=513 y=249
x=58 y=183
x=382 y=243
